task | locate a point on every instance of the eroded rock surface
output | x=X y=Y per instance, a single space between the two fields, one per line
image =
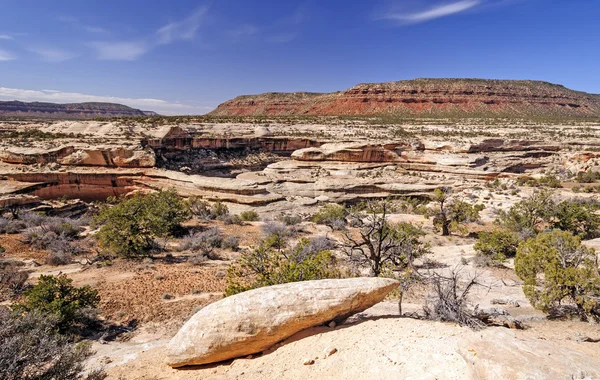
x=499 y=354
x=253 y=321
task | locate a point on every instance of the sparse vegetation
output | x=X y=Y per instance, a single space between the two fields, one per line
x=379 y=244
x=589 y=176
x=449 y=300
x=560 y=275
x=249 y=216
x=493 y=248
x=56 y=296
x=129 y=226
x=452 y=213
x=331 y=215
x=266 y=265
x=31 y=349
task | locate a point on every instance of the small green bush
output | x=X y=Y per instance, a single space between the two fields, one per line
x=588 y=177
x=578 y=217
x=549 y=180
x=249 y=216
x=528 y=216
x=265 y=266
x=129 y=226
x=218 y=210
x=332 y=215
x=558 y=272
x=56 y=296
x=493 y=248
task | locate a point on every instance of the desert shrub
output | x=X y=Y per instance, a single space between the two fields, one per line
x=452 y=213
x=11 y=226
x=249 y=216
x=528 y=216
x=31 y=349
x=218 y=210
x=32 y=219
x=548 y=180
x=317 y=244
x=56 y=296
x=229 y=219
x=198 y=258
x=199 y=208
x=379 y=244
x=276 y=235
x=588 y=176
x=203 y=242
x=129 y=226
x=12 y=280
x=2 y=249
x=559 y=272
x=493 y=248
x=332 y=215
x=578 y=217
x=231 y=242
x=449 y=300
x=290 y=220
x=265 y=266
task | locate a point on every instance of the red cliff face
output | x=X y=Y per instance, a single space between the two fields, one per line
x=427 y=97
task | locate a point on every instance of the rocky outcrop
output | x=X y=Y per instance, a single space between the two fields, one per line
x=253 y=321
x=69 y=111
x=500 y=354
x=431 y=97
x=119 y=156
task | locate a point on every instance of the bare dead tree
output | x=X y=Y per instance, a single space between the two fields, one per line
x=450 y=299
x=379 y=244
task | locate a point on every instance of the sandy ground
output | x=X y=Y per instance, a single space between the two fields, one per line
x=379 y=346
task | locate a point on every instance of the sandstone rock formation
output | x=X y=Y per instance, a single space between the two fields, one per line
x=253 y=321
x=436 y=97
x=499 y=354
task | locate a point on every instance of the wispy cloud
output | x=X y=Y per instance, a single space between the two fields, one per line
x=120 y=50
x=436 y=11
x=73 y=21
x=243 y=31
x=6 y=37
x=182 y=30
x=6 y=56
x=130 y=50
x=55 y=96
x=49 y=54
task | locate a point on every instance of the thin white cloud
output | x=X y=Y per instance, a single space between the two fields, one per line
x=120 y=50
x=185 y=29
x=6 y=56
x=6 y=37
x=434 y=12
x=181 y=30
x=55 y=96
x=49 y=54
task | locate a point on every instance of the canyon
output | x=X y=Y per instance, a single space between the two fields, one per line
x=279 y=165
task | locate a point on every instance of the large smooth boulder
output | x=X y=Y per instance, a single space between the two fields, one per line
x=500 y=354
x=255 y=320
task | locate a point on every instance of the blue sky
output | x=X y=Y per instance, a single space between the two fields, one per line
x=187 y=56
